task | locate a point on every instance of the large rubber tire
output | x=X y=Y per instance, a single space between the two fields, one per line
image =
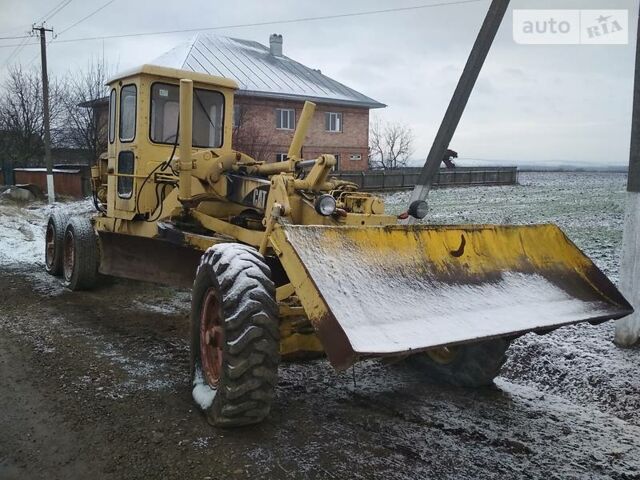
x=234 y=326
x=471 y=365
x=80 y=255
x=54 y=239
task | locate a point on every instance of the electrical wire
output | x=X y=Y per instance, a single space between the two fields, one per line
x=273 y=22
x=20 y=44
x=13 y=55
x=86 y=17
x=162 y=166
x=15 y=38
x=47 y=16
x=51 y=15
x=53 y=11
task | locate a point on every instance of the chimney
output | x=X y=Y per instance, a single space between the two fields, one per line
x=275 y=45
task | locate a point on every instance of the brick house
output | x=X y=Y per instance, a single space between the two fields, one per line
x=272 y=91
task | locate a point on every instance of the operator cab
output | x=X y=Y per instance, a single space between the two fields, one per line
x=144 y=106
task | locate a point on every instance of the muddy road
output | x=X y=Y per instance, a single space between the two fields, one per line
x=95 y=385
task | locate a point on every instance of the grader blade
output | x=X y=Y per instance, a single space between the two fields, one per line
x=376 y=291
x=147 y=259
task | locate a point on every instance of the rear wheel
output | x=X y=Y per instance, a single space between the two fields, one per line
x=471 y=365
x=234 y=336
x=54 y=239
x=80 y=254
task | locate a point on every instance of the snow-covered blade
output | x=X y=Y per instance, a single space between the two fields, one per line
x=375 y=291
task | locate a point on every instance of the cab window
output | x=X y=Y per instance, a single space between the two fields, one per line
x=208 y=115
x=112 y=116
x=128 y=100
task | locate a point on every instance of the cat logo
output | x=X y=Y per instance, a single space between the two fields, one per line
x=259 y=198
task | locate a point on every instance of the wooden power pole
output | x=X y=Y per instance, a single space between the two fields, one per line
x=45 y=111
x=458 y=102
x=628 y=328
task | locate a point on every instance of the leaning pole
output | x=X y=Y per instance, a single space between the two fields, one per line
x=628 y=328
x=458 y=102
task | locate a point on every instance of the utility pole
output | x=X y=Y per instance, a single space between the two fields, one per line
x=45 y=107
x=458 y=102
x=628 y=328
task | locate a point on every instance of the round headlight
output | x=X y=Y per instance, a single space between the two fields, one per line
x=418 y=209
x=325 y=205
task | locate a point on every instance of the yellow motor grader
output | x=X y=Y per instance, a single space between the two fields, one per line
x=286 y=262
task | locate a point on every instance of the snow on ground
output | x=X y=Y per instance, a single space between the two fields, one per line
x=22 y=228
x=578 y=362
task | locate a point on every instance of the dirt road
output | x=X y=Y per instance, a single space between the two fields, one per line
x=101 y=390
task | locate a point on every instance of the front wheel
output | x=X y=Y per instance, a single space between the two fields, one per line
x=234 y=336
x=470 y=365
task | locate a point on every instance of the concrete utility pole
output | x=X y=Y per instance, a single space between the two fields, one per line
x=454 y=112
x=628 y=328
x=45 y=107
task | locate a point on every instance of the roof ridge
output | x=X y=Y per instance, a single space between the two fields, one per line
x=194 y=39
x=251 y=64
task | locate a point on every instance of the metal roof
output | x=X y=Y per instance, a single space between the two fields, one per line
x=258 y=72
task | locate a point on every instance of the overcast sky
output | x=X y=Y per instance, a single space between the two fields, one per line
x=532 y=104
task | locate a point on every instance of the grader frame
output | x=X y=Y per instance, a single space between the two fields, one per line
x=297 y=263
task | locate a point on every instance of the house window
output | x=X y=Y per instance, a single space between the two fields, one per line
x=285 y=118
x=355 y=156
x=128 y=99
x=333 y=122
x=237 y=115
x=337 y=165
x=281 y=157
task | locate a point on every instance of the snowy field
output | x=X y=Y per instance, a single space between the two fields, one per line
x=589 y=207
x=579 y=362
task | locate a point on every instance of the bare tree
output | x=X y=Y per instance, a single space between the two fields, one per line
x=84 y=128
x=390 y=144
x=249 y=138
x=21 y=117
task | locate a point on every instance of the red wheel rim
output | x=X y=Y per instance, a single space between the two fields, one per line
x=211 y=338
x=50 y=248
x=69 y=254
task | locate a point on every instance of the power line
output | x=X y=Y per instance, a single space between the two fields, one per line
x=13 y=55
x=64 y=4
x=67 y=2
x=14 y=31
x=274 y=22
x=19 y=47
x=88 y=16
x=18 y=44
x=15 y=38
x=71 y=26
x=53 y=11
